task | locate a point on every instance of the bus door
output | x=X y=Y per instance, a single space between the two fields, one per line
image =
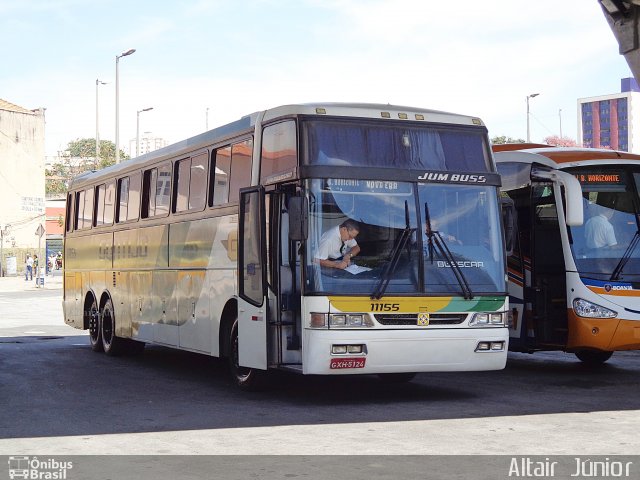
x=252 y=272
x=548 y=292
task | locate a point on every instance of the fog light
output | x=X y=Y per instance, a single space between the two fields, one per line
x=483 y=346
x=354 y=348
x=338 y=349
x=499 y=346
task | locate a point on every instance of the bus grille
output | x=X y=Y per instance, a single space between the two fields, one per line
x=412 y=318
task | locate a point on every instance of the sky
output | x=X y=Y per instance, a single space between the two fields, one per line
x=204 y=63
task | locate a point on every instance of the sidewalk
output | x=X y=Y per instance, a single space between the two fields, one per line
x=18 y=283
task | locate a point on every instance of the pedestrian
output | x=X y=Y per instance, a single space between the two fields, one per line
x=28 y=273
x=35 y=268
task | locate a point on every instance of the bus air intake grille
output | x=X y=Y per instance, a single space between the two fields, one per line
x=412 y=318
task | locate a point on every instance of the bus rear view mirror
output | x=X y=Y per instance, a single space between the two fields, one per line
x=510 y=222
x=298 y=218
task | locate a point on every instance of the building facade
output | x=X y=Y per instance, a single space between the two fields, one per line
x=611 y=121
x=22 y=183
x=148 y=143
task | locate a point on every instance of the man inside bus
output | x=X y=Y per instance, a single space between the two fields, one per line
x=598 y=230
x=338 y=245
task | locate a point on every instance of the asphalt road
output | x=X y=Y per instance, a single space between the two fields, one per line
x=58 y=397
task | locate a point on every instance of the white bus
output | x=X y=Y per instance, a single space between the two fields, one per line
x=211 y=245
x=574 y=273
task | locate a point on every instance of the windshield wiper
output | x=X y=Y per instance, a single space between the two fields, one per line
x=627 y=254
x=398 y=245
x=434 y=238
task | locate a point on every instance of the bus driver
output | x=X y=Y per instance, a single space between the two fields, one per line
x=338 y=245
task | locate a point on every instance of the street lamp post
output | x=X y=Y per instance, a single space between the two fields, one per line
x=138 y=129
x=123 y=54
x=528 y=130
x=98 y=82
x=4 y=231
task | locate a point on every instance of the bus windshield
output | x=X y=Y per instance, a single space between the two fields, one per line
x=395 y=255
x=605 y=245
x=393 y=145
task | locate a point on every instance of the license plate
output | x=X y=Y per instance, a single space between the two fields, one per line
x=337 y=363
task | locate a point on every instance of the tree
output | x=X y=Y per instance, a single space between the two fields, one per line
x=504 y=139
x=79 y=157
x=558 y=141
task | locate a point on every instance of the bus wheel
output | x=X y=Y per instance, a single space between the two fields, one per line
x=593 y=357
x=397 y=377
x=244 y=377
x=95 y=330
x=112 y=344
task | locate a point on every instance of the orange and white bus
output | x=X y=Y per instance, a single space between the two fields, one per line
x=574 y=274
x=210 y=245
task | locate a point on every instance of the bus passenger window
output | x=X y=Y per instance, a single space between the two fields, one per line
x=133 y=209
x=69 y=215
x=163 y=190
x=182 y=185
x=240 y=168
x=219 y=183
x=78 y=221
x=109 y=203
x=148 y=193
x=278 y=150
x=198 y=182
x=88 y=208
x=123 y=199
x=100 y=191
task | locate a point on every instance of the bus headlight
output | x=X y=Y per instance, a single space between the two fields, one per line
x=584 y=308
x=340 y=320
x=484 y=319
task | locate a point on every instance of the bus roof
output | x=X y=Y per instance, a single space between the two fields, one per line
x=247 y=123
x=559 y=157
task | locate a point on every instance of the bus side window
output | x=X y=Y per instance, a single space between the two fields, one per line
x=198 y=182
x=123 y=199
x=149 y=179
x=219 y=182
x=109 y=203
x=163 y=190
x=240 y=168
x=181 y=195
x=79 y=214
x=133 y=209
x=278 y=150
x=99 y=218
x=88 y=208
x=69 y=214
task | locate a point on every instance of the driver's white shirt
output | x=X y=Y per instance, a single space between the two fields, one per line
x=331 y=246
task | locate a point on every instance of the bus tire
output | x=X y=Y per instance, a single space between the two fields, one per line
x=95 y=327
x=403 y=377
x=112 y=344
x=593 y=357
x=246 y=378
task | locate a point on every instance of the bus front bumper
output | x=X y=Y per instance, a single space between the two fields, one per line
x=396 y=351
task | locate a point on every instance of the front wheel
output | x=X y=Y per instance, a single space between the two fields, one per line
x=593 y=357
x=244 y=377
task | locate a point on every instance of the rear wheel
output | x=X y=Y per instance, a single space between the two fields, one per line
x=244 y=377
x=112 y=344
x=593 y=357
x=95 y=329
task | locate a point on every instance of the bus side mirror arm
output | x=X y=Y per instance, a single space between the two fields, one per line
x=298 y=218
x=574 y=215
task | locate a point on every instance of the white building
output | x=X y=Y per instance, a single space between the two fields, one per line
x=148 y=143
x=611 y=121
x=22 y=180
